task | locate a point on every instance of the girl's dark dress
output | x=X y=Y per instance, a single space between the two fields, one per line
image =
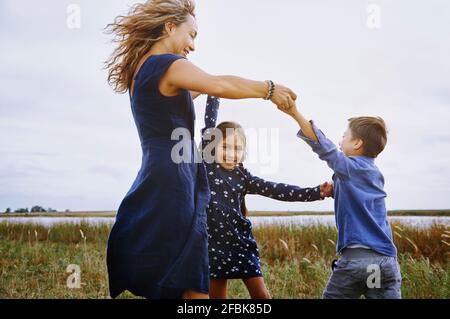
x=158 y=245
x=233 y=252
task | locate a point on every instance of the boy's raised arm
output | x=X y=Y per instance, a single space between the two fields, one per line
x=304 y=124
x=320 y=144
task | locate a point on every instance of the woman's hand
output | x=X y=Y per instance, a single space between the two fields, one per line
x=283 y=97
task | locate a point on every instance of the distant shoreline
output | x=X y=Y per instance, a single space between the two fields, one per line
x=251 y=213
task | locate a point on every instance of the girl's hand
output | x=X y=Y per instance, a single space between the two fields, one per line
x=283 y=97
x=326 y=189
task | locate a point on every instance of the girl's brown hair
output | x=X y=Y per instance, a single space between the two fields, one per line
x=136 y=33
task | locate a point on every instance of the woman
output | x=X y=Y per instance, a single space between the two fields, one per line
x=158 y=245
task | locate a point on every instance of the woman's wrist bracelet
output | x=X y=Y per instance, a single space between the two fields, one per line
x=271 y=89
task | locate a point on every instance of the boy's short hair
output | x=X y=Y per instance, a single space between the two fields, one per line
x=372 y=131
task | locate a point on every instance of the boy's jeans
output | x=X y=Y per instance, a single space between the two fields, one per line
x=364 y=272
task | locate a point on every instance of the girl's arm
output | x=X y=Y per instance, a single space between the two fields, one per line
x=211 y=113
x=281 y=191
x=182 y=74
x=211 y=110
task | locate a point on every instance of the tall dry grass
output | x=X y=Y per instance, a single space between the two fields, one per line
x=295 y=260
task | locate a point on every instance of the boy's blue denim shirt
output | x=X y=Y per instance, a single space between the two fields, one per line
x=359 y=198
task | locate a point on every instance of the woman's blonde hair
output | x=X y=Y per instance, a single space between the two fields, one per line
x=136 y=33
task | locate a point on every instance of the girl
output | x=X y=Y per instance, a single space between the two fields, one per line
x=233 y=253
x=157 y=247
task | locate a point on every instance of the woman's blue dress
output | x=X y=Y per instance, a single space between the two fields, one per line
x=157 y=247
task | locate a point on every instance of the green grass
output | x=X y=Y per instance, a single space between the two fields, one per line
x=33 y=260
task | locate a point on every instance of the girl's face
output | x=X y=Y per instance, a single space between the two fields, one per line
x=182 y=37
x=230 y=151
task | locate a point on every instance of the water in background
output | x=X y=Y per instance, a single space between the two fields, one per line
x=414 y=221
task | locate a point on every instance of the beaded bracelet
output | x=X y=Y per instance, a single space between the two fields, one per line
x=271 y=90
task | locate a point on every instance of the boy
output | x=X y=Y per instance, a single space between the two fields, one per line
x=368 y=257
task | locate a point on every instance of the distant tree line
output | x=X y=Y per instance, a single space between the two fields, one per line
x=34 y=209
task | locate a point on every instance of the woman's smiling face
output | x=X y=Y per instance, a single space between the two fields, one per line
x=182 y=37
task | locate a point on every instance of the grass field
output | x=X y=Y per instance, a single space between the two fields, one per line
x=34 y=259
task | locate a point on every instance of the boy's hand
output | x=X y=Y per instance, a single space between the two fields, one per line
x=283 y=97
x=291 y=111
x=326 y=189
x=304 y=124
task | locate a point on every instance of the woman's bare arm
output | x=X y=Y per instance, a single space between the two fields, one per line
x=195 y=94
x=182 y=74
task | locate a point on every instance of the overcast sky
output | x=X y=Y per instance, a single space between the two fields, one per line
x=68 y=141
